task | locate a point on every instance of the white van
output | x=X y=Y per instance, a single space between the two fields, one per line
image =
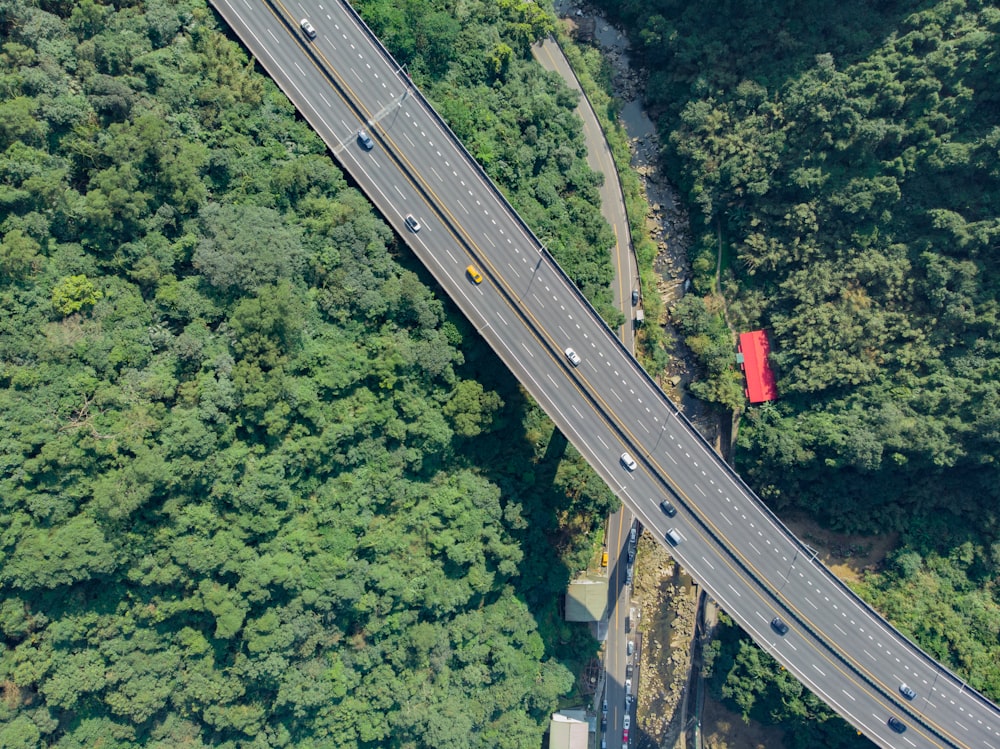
x=673 y=537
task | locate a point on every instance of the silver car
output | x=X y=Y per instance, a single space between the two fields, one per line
x=629 y=462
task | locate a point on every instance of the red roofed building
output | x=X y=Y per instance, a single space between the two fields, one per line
x=754 y=349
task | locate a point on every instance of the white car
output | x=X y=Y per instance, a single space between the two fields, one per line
x=412 y=224
x=629 y=462
x=307 y=28
x=627 y=721
x=574 y=358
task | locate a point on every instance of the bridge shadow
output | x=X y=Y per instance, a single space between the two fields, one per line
x=552 y=501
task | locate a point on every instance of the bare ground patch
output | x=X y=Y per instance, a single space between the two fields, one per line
x=848 y=555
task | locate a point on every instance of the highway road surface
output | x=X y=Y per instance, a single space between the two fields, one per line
x=530 y=312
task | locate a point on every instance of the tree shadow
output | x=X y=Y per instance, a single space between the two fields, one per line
x=690 y=49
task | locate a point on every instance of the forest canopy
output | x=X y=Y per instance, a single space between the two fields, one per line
x=251 y=491
x=841 y=159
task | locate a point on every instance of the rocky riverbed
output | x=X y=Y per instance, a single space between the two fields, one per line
x=666 y=602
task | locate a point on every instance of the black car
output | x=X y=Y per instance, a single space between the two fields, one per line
x=668 y=509
x=779 y=626
x=896 y=724
x=365 y=140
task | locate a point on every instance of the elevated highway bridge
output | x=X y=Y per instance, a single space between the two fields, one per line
x=342 y=80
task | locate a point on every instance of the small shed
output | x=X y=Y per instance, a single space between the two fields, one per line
x=754 y=349
x=587 y=599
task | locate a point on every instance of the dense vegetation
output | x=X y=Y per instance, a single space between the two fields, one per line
x=252 y=492
x=845 y=158
x=841 y=161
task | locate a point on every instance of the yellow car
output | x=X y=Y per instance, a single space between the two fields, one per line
x=474 y=274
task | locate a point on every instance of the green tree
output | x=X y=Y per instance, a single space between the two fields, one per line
x=73 y=293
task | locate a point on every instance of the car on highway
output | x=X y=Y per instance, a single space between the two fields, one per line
x=411 y=223
x=628 y=687
x=907 y=692
x=673 y=536
x=629 y=462
x=604 y=709
x=365 y=140
x=635 y=297
x=307 y=28
x=668 y=509
x=779 y=626
x=625 y=739
x=474 y=274
x=630 y=648
x=896 y=724
x=627 y=721
x=574 y=358
x=628 y=670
